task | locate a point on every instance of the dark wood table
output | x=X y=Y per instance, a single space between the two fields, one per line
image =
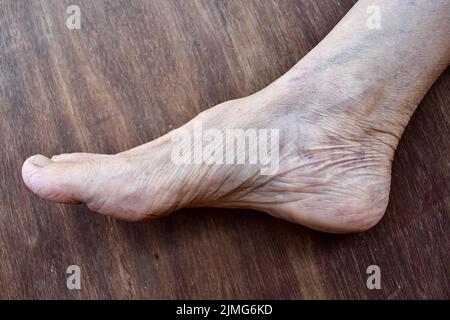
x=134 y=71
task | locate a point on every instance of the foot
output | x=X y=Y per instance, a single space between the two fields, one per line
x=336 y=144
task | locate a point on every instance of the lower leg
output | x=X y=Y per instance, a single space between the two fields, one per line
x=340 y=111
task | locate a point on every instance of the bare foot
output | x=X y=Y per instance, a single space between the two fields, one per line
x=335 y=152
x=340 y=114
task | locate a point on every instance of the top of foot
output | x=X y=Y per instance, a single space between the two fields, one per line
x=332 y=174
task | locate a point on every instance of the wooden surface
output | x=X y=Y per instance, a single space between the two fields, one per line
x=134 y=71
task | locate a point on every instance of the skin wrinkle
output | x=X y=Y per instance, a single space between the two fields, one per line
x=341 y=112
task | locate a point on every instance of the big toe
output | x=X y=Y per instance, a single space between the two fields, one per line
x=66 y=182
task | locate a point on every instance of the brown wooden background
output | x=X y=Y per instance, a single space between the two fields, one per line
x=134 y=71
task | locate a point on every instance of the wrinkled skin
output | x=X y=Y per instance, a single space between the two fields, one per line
x=334 y=171
x=341 y=112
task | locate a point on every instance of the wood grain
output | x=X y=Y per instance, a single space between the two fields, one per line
x=134 y=71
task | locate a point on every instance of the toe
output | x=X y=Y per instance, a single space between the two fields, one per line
x=66 y=182
x=77 y=156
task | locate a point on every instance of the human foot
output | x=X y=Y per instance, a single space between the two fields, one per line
x=333 y=172
x=340 y=113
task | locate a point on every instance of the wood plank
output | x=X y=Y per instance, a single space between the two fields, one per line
x=138 y=69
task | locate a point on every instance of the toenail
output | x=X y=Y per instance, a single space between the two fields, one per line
x=40 y=161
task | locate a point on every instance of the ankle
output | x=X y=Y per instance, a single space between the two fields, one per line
x=351 y=105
